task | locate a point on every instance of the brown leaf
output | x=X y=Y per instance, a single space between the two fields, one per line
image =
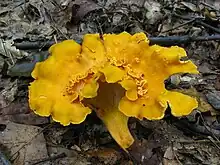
x=106 y=155
x=217 y=83
x=190 y=6
x=82 y=7
x=26 y=144
x=146 y=152
x=169 y=157
x=7 y=94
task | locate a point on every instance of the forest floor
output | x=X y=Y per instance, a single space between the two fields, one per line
x=29 y=27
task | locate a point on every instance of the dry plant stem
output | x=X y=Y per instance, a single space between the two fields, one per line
x=33 y=45
x=176 y=40
x=198 y=141
x=181 y=25
x=188 y=17
x=57 y=29
x=208 y=26
x=177 y=159
x=132 y=158
x=100 y=27
x=213 y=141
x=198 y=20
x=163 y=41
x=210 y=130
x=7 y=52
x=208 y=5
x=52 y=158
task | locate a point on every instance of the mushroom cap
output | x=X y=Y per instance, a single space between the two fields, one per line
x=120 y=76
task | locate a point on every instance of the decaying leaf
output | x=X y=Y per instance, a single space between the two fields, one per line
x=7 y=50
x=153 y=13
x=17 y=135
x=169 y=157
x=190 y=6
x=81 y=8
x=7 y=94
x=105 y=155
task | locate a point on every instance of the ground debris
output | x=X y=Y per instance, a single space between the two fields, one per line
x=23 y=149
x=105 y=155
x=35 y=25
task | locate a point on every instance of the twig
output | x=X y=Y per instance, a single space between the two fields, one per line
x=176 y=40
x=177 y=159
x=33 y=45
x=208 y=26
x=188 y=17
x=208 y=128
x=100 y=27
x=55 y=38
x=3 y=159
x=58 y=30
x=163 y=41
x=213 y=141
x=8 y=53
x=198 y=20
x=181 y=25
x=62 y=155
x=208 y=5
x=198 y=141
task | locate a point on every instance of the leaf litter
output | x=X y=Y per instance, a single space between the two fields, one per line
x=193 y=139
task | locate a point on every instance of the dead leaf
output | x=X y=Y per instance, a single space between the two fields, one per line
x=205 y=69
x=213 y=98
x=16 y=136
x=210 y=4
x=65 y=3
x=72 y=157
x=146 y=152
x=2 y=62
x=82 y=7
x=7 y=94
x=169 y=157
x=105 y=155
x=7 y=50
x=190 y=6
x=26 y=20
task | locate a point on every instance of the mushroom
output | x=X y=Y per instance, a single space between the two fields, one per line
x=118 y=76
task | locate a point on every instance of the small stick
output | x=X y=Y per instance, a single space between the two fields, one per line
x=198 y=141
x=208 y=5
x=199 y=21
x=163 y=41
x=208 y=26
x=62 y=155
x=181 y=25
x=213 y=141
